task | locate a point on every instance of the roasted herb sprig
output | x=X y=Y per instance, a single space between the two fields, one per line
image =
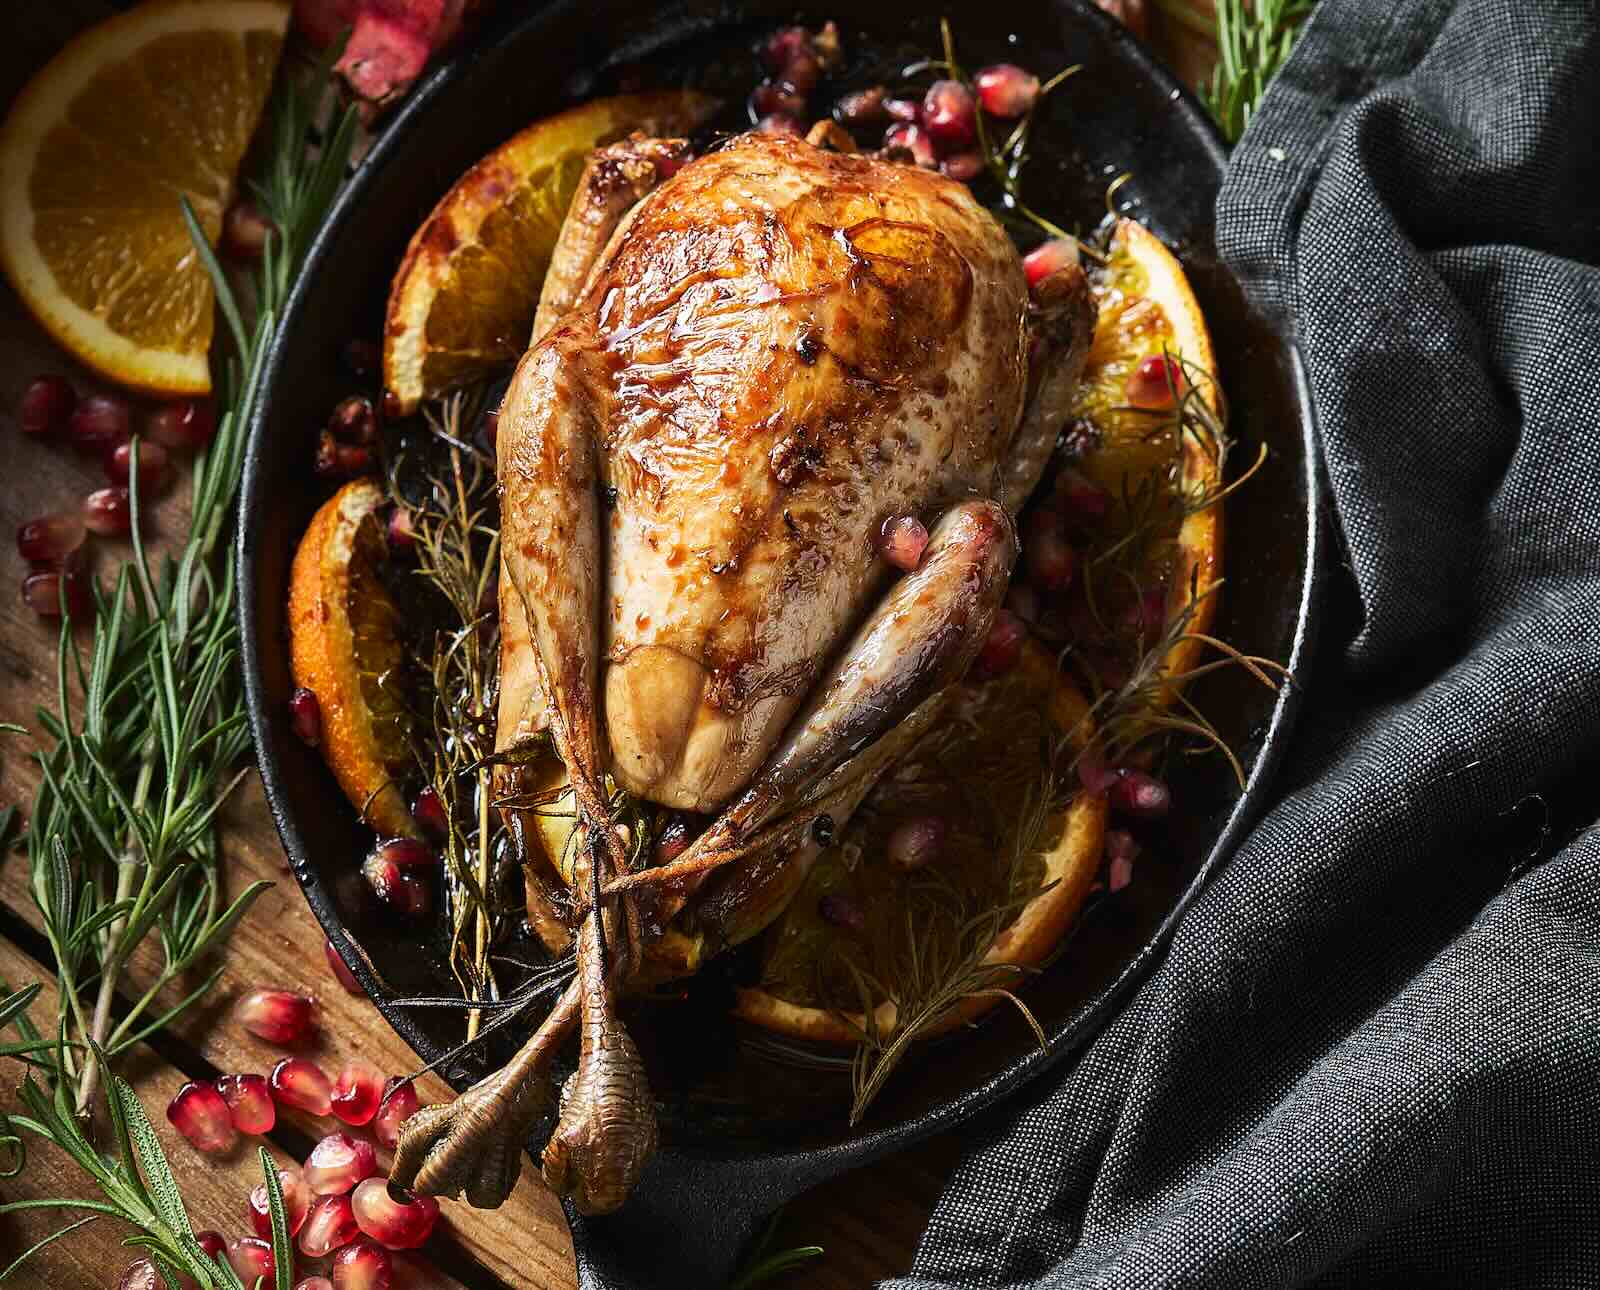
x=1254 y=41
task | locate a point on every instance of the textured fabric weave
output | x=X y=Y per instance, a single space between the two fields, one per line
x=1371 y=1056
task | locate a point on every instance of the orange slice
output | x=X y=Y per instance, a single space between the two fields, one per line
x=344 y=647
x=149 y=106
x=464 y=298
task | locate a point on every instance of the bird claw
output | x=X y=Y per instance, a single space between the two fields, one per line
x=473 y=1145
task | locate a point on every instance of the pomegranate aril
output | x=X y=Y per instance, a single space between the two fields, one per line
x=51 y=539
x=839 y=910
x=1095 y=775
x=141 y=1275
x=153 y=465
x=776 y=96
x=398 y=1104
x=864 y=107
x=1006 y=90
x=249 y=1102
x=330 y=1223
x=340 y=970
x=783 y=46
x=302 y=1084
x=402 y=529
x=364 y=1265
x=278 y=1016
x=184 y=423
x=429 y=813
x=296 y=1203
x=1138 y=794
x=902 y=540
x=963 y=167
x=212 y=1243
x=305 y=716
x=916 y=842
x=108 y=512
x=99 y=423
x=906 y=110
x=339 y=1162
x=399 y=1224
x=1121 y=851
x=355 y=420
x=313 y=1283
x=245 y=231
x=673 y=839
x=399 y=871
x=199 y=1113
x=1156 y=384
x=1050 y=558
x=357 y=1091
x=44 y=592
x=913 y=139
x=1082 y=502
x=335 y=460
x=1049 y=257
x=779 y=123
x=46 y=405
x=251 y=1257
x=949 y=115
x=1002 y=648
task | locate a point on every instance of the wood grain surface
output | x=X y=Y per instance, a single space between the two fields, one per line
x=868 y=1222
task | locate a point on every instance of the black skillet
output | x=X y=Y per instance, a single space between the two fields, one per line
x=745 y=1128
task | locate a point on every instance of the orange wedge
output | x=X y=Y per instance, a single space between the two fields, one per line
x=149 y=106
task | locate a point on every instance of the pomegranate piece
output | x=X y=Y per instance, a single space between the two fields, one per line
x=251 y=1257
x=402 y=529
x=305 y=716
x=184 y=423
x=364 y=1265
x=44 y=593
x=335 y=460
x=141 y=1275
x=902 y=540
x=864 y=107
x=322 y=22
x=199 y=1113
x=916 y=842
x=912 y=140
x=212 y=1243
x=963 y=167
x=296 y=1202
x=1121 y=851
x=1006 y=90
x=428 y=811
x=278 y=1016
x=302 y=1084
x=776 y=96
x=792 y=54
x=907 y=110
x=357 y=1091
x=1002 y=649
x=336 y=965
x=1138 y=794
x=399 y=871
x=313 y=1283
x=839 y=910
x=153 y=465
x=99 y=422
x=1049 y=257
x=51 y=540
x=1130 y=13
x=390 y=43
x=1156 y=384
x=673 y=839
x=1095 y=775
x=949 y=115
x=46 y=405
x=398 y=1104
x=338 y=1163
x=779 y=123
x=330 y=1223
x=249 y=1102
x=393 y=1217
x=355 y=420
x=1082 y=502
x=1050 y=557
x=108 y=512
x=245 y=231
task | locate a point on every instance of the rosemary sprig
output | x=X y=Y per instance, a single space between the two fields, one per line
x=1254 y=40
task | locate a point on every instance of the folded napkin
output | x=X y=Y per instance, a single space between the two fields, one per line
x=1371 y=1056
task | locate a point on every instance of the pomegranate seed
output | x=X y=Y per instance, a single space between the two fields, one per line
x=357 y=1091
x=51 y=539
x=1051 y=559
x=397 y=1224
x=1005 y=90
x=199 y=1113
x=108 y=512
x=339 y=1162
x=300 y=1083
x=1003 y=647
x=355 y=420
x=1156 y=383
x=249 y=1102
x=674 y=839
x=916 y=842
x=428 y=811
x=44 y=592
x=305 y=716
x=335 y=460
x=1083 y=503
x=779 y=123
x=1121 y=850
x=963 y=167
x=153 y=464
x=141 y=1275
x=783 y=45
x=296 y=1203
x=337 y=966
x=399 y=1103
x=362 y=357
x=245 y=231
x=1049 y=257
x=362 y=1266
x=329 y=1224
x=47 y=405
x=906 y=110
x=864 y=107
x=313 y=1283
x=251 y=1257
x=402 y=529
x=185 y=423
x=398 y=871
x=912 y=139
x=803 y=71
x=949 y=115
x=1023 y=601
x=278 y=1016
x=1136 y=793
x=902 y=540
x=212 y=1243
x=838 y=910
x=1095 y=775
x=99 y=423
x=776 y=97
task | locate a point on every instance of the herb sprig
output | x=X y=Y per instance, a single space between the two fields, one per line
x=1254 y=41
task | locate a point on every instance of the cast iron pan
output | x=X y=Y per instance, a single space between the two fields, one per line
x=745 y=1128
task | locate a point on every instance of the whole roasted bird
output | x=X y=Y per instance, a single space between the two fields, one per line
x=743 y=365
